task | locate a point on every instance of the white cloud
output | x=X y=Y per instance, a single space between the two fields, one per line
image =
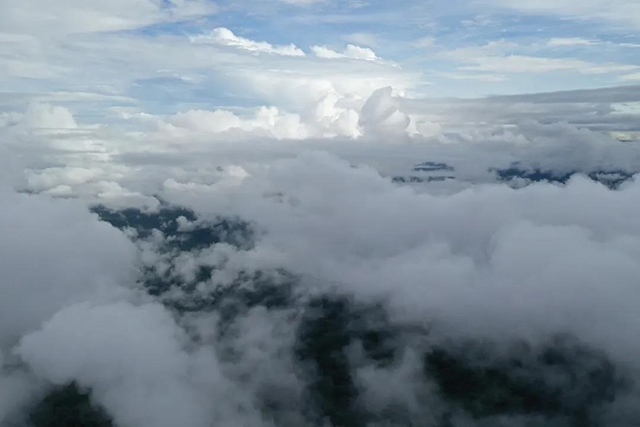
x=616 y=11
x=266 y=122
x=535 y=64
x=46 y=116
x=465 y=260
x=335 y=120
x=41 y=17
x=499 y=57
x=571 y=41
x=350 y=52
x=59 y=238
x=300 y=89
x=381 y=113
x=207 y=121
x=95 y=112
x=225 y=37
x=364 y=39
x=281 y=126
x=475 y=76
x=631 y=77
x=328 y=120
x=432 y=261
x=59 y=176
x=87 y=70
x=132 y=360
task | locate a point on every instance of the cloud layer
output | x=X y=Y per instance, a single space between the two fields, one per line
x=216 y=312
x=319 y=213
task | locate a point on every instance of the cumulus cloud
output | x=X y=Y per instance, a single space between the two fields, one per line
x=233 y=232
x=333 y=116
x=382 y=113
x=209 y=121
x=488 y=263
x=57 y=256
x=350 y=52
x=59 y=237
x=46 y=116
x=132 y=360
x=56 y=177
x=266 y=121
x=427 y=214
x=547 y=260
x=225 y=37
x=426 y=257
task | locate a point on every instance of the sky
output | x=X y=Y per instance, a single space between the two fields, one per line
x=137 y=76
x=285 y=213
x=167 y=56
